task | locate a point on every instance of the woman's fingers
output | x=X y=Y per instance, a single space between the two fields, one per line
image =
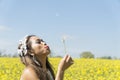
x=69 y=59
x=65 y=57
x=65 y=62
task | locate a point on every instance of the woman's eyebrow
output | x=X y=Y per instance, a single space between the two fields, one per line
x=38 y=39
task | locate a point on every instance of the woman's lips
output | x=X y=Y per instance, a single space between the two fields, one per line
x=47 y=47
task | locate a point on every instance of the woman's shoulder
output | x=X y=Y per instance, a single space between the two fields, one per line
x=28 y=70
x=29 y=74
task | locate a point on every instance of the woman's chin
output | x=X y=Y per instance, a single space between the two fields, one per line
x=47 y=52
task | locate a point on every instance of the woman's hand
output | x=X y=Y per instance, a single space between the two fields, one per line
x=65 y=63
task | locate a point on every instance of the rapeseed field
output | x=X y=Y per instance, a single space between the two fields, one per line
x=82 y=69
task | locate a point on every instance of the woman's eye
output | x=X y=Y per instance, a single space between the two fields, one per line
x=39 y=42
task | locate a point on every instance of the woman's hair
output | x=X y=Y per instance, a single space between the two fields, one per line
x=30 y=60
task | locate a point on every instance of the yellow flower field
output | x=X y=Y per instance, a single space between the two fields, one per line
x=82 y=69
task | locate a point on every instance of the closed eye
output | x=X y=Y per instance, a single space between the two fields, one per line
x=38 y=41
x=41 y=40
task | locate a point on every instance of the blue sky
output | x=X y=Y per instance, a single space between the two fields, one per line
x=87 y=25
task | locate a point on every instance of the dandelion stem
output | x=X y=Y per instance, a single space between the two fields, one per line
x=65 y=50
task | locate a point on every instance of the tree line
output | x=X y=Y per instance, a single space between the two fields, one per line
x=86 y=55
x=3 y=54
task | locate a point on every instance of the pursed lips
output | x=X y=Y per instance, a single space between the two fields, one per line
x=47 y=47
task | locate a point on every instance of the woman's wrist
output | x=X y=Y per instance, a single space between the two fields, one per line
x=60 y=74
x=61 y=70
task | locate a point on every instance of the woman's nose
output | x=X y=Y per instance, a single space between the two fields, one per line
x=43 y=43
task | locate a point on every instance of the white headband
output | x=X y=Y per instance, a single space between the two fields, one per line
x=22 y=51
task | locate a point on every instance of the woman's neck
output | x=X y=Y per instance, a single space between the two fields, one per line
x=42 y=60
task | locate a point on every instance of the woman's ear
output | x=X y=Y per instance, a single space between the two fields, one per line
x=31 y=52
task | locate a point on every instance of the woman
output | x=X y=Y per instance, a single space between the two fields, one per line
x=33 y=53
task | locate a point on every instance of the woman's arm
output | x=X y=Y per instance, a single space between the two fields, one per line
x=60 y=75
x=65 y=63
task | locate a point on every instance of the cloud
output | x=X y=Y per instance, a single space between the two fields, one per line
x=4 y=28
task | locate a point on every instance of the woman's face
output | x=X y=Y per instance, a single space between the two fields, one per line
x=39 y=47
